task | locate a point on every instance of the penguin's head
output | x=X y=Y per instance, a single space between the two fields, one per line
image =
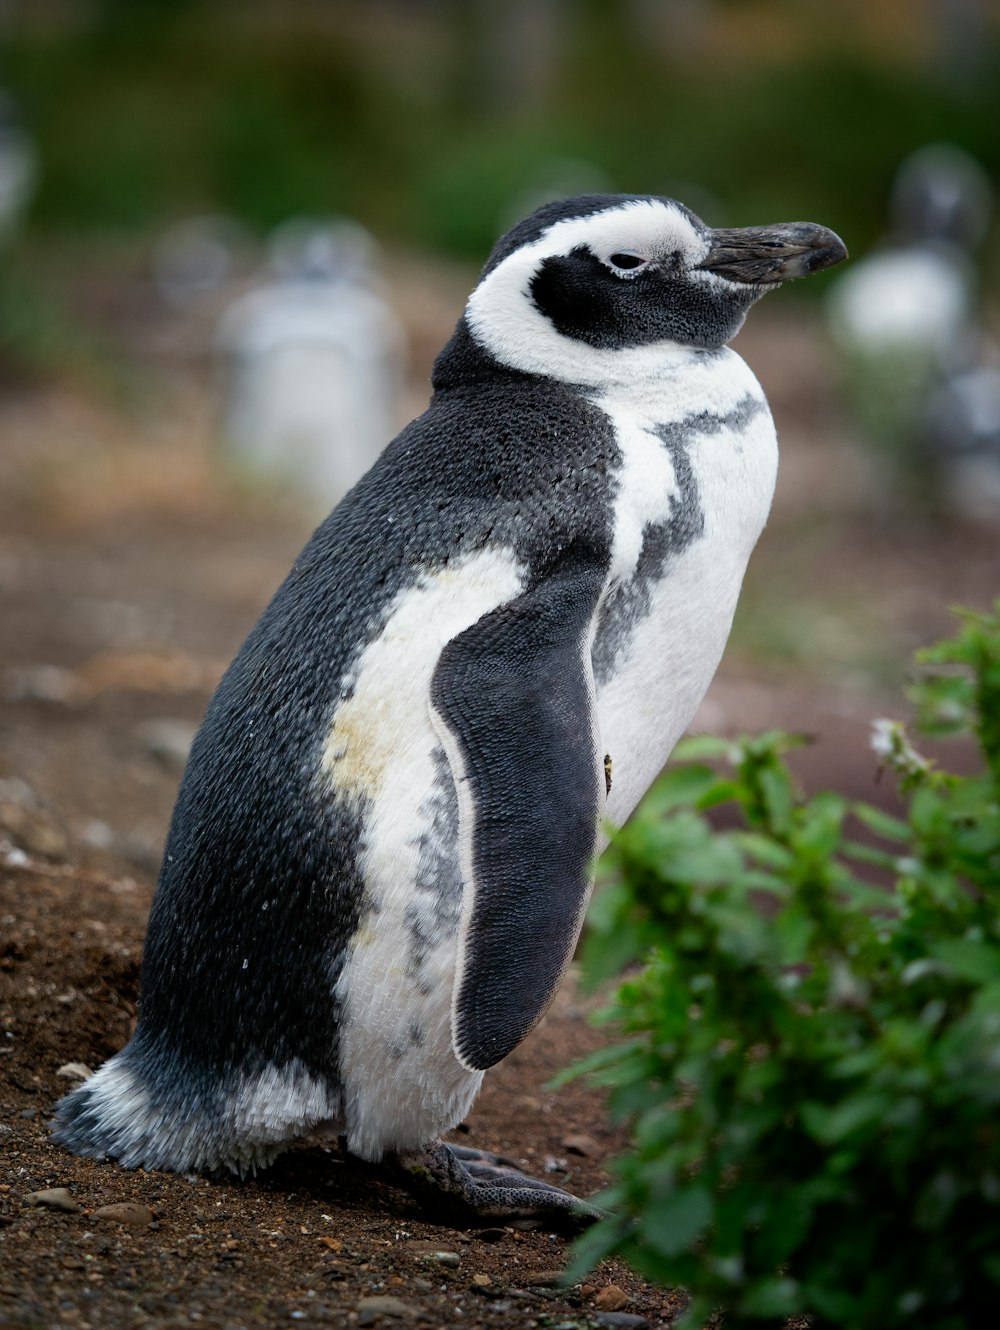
x=590 y=289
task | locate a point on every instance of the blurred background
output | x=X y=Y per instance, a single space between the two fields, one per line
x=234 y=234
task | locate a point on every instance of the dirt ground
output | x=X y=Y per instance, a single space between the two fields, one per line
x=312 y=1238
x=130 y=570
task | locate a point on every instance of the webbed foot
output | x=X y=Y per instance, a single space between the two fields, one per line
x=465 y=1187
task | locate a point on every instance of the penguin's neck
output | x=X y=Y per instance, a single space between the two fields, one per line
x=464 y=362
x=646 y=370
x=687 y=387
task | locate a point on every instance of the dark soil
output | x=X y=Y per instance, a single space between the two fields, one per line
x=130 y=571
x=306 y=1241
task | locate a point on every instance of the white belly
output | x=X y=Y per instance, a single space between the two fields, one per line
x=402 y=1083
x=666 y=660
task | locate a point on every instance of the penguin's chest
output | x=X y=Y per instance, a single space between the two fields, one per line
x=693 y=491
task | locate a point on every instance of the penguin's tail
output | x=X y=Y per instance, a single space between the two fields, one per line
x=133 y=1111
x=117 y=1113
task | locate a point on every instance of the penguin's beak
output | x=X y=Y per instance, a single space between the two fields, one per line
x=767 y=255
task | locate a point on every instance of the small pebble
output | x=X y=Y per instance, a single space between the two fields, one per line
x=169 y=741
x=423 y=1285
x=447 y=1258
x=370 y=1309
x=41 y=683
x=74 y=1071
x=126 y=1212
x=542 y=1279
x=482 y=1281
x=97 y=834
x=621 y=1321
x=53 y=1198
x=610 y=1298
x=581 y=1145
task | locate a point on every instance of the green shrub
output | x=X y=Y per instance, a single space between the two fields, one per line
x=811 y=1067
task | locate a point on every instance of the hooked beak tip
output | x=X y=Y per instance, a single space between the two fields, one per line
x=769 y=255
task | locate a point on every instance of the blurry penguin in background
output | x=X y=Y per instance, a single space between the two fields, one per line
x=382 y=849
x=314 y=365
x=905 y=320
x=19 y=166
x=962 y=426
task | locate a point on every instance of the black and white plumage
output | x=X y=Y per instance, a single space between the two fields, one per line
x=380 y=855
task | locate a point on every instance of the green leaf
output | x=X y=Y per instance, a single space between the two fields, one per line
x=776 y=789
x=818 y=830
x=698 y=747
x=882 y=823
x=867 y=854
x=991 y=1266
x=927 y=812
x=709 y=861
x=935 y=1203
x=722 y=792
x=674 y=1223
x=695 y=1316
x=831 y=1124
x=762 y=849
x=978 y=961
x=599 y=1060
x=608 y=953
x=600 y=1240
x=774 y=1297
x=678 y=786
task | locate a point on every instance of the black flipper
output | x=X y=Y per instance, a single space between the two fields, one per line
x=515 y=696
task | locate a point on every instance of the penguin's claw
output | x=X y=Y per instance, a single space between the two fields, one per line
x=467 y=1187
x=473 y=1158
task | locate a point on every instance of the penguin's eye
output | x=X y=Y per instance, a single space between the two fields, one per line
x=625 y=260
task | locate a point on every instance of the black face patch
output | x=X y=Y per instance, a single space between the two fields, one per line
x=585 y=300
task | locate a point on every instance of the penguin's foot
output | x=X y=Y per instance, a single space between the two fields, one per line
x=464 y=1186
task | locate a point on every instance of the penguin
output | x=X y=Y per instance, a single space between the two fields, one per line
x=381 y=851
x=312 y=364
x=904 y=324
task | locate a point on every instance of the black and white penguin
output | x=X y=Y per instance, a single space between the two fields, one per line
x=904 y=324
x=381 y=852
